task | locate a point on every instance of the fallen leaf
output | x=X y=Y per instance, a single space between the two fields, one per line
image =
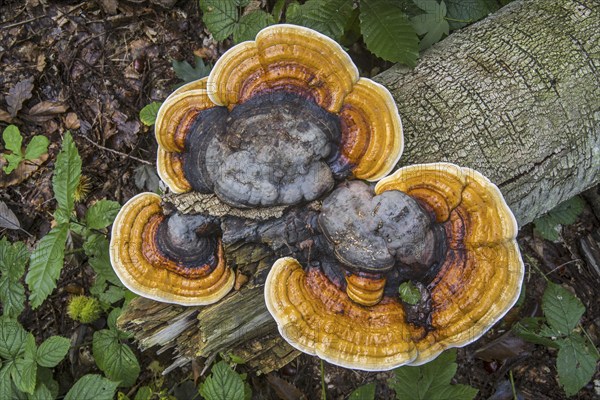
x=8 y=219
x=72 y=121
x=284 y=389
x=17 y=95
x=46 y=110
x=41 y=62
x=23 y=171
x=146 y=178
x=5 y=116
x=505 y=347
x=109 y=6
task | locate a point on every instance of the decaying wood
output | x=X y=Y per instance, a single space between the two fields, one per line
x=516 y=96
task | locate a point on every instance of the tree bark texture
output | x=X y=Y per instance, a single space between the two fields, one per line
x=516 y=96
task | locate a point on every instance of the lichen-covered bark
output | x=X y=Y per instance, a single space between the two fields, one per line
x=516 y=97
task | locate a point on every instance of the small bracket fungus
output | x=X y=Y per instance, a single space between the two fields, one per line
x=277 y=122
x=445 y=228
x=175 y=259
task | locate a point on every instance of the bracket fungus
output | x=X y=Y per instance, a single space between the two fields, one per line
x=445 y=228
x=174 y=259
x=277 y=122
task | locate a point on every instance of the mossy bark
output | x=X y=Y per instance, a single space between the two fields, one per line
x=516 y=96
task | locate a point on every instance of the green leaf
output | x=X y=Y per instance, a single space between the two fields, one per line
x=92 y=387
x=364 y=392
x=220 y=17
x=41 y=393
x=431 y=381
x=575 y=364
x=12 y=339
x=470 y=11
x=24 y=374
x=52 y=351
x=101 y=214
x=432 y=25
x=561 y=308
x=143 y=393
x=149 y=112
x=278 y=10
x=45 y=378
x=546 y=227
x=45 y=264
x=187 y=73
x=13 y=161
x=326 y=16
x=66 y=177
x=565 y=213
x=222 y=384
x=12 y=297
x=250 y=24
x=115 y=359
x=13 y=140
x=6 y=385
x=409 y=293
x=36 y=147
x=13 y=258
x=96 y=247
x=387 y=31
x=530 y=329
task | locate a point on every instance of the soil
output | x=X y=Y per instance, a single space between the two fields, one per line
x=93 y=66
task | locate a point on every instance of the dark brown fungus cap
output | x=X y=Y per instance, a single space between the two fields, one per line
x=176 y=259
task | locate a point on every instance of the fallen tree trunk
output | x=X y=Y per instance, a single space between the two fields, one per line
x=516 y=96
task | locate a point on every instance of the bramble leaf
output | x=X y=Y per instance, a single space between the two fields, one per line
x=432 y=25
x=220 y=17
x=327 y=17
x=387 y=31
x=149 y=112
x=52 y=351
x=431 y=381
x=66 y=178
x=45 y=264
x=364 y=392
x=101 y=214
x=92 y=387
x=12 y=338
x=575 y=364
x=187 y=73
x=24 y=374
x=36 y=147
x=250 y=24
x=561 y=309
x=565 y=213
x=114 y=358
x=222 y=384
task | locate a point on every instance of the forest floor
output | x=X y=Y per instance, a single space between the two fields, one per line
x=92 y=66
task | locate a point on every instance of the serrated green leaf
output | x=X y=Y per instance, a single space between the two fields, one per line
x=13 y=258
x=364 y=392
x=409 y=293
x=250 y=24
x=546 y=227
x=67 y=172
x=41 y=393
x=13 y=161
x=52 y=351
x=575 y=364
x=24 y=374
x=561 y=309
x=96 y=247
x=222 y=384
x=112 y=295
x=115 y=359
x=92 y=387
x=387 y=31
x=6 y=385
x=220 y=17
x=149 y=112
x=567 y=212
x=45 y=378
x=326 y=16
x=36 y=147
x=45 y=264
x=432 y=25
x=530 y=328
x=12 y=339
x=101 y=214
x=13 y=140
x=431 y=381
x=12 y=297
x=143 y=393
x=463 y=12
x=187 y=73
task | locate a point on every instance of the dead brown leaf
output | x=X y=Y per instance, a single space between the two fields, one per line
x=17 y=95
x=47 y=109
x=284 y=389
x=109 y=6
x=23 y=171
x=5 y=116
x=72 y=121
x=41 y=62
